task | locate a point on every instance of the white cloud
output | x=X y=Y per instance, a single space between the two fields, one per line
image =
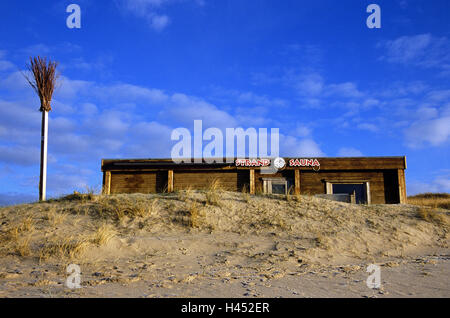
x=19 y=155
x=424 y=50
x=60 y=124
x=347 y=89
x=69 y=89
x=349 y=152
x=44 y=50
x=400 y=89
x=88 y=109
x=148 y=10
x=310 y=84
x=293 y=147
x=15 y=82
x=127 y=92
x=185 y=109
x=425 y=112
x=302 y=131
x=5 y=65
x=439 y=95
x=150 y=135
x=437 y=185
x=19 y=115
x=159 y=22
x=370 y=102
x=368 y=127
x=434 y=132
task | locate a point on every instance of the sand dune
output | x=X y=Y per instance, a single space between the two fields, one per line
x=221 y=244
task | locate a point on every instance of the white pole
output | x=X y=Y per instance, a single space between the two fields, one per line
x=44 y=139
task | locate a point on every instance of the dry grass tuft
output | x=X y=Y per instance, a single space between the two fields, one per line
x=245 y=194
x=76 y=196
x=290 y=195
x=15 y=232
x=434 y=200
x=103 y=234
x=16 y=239
x=121 y=206
x=212 y=193
x=64 y=248
x=196 y=215
x=273 y=219
x=259 y=190
x=186 y=194
x=22 y=246
x=54 y=218
x=431 y=215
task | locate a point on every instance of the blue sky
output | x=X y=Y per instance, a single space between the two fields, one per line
x=137 y=69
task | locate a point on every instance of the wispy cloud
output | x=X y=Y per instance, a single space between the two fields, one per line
x=439 y=184
x=93 y=120
x=148 y=10
x=423 y=50
x=434 y=131
x=349 y=152
x=151 y=11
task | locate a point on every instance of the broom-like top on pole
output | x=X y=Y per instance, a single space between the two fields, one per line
x=43 y=79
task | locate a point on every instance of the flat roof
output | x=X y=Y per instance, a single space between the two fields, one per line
x=326 y=163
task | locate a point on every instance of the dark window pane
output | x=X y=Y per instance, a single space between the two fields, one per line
x=349 y=188
x=278 y=189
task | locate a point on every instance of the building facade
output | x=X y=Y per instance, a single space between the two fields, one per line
x=371 y=180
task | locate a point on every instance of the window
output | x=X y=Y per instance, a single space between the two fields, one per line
x=275 y=185
x=360 y=190
x=278 y=188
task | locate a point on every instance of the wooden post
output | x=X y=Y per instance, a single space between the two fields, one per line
x=369 y=197
x=170 y=181
x=353 y=197
x=252 y=181
x=401 y=186
x=43 y=168
x=107 y=184
x=297 y=181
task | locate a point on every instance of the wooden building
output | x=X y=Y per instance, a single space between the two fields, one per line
x=375 y=180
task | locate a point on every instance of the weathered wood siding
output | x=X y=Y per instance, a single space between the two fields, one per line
x=314 y=183
x=138 y=182
x=386 y=176
x=289 y=175
x=228 y=180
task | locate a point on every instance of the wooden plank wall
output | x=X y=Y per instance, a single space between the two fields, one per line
x=362 y=163
x=288 y=174
x=313 y=182
x=386 y=186
x=138 y=182
x=232 y=180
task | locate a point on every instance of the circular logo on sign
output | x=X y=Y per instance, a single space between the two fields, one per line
x=279 y=163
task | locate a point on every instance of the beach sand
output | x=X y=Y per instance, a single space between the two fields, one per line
x=222 y=244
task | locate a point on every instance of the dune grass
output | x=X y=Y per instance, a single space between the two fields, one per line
x=103 y=234
x=66 y=228
x=434 y=200
x=212 y=193
x=64 y=248
x=430 y=215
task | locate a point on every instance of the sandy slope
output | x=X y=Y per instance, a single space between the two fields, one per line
x=222 y=244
